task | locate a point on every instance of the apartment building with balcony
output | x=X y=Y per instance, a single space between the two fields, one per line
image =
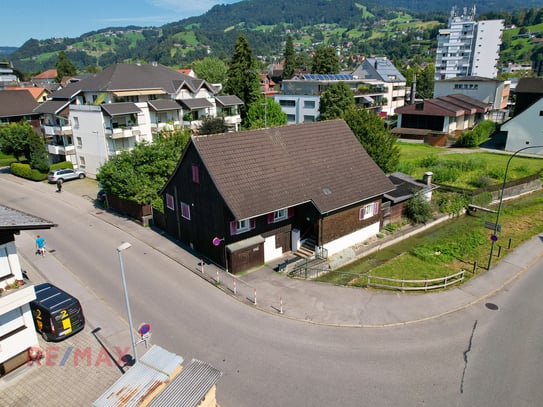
x=91 y=120
x=468 y=47
x=17 y=332
x=300 y=96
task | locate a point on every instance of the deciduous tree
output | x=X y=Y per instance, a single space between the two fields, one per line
x=325 y=61
x=15 y=138
x=210 y=69
x=335 y=101
x=266 y=112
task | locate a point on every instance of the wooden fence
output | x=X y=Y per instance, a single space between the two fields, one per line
x=415 y=285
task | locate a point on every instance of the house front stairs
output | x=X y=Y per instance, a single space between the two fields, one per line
x=307 y=249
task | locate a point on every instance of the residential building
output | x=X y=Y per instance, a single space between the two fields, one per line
x=40 y=94
x=47 y=77
x=300 y=96
x=17 y=333
x=434 y=120
x=514 y=68
x=246 y=198
x=524 y=128
x=491 y=91
x=7 y=75
x=381 y=71
x=95 y=118
x=16 y=106
x=468 y=47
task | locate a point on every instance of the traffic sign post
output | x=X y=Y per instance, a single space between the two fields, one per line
x=145 y=333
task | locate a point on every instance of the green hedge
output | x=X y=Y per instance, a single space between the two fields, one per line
x=24 y=171
x=62 y=164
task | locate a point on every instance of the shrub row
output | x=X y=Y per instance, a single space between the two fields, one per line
x=25 y=171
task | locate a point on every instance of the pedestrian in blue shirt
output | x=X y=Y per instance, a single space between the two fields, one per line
x=40 y=245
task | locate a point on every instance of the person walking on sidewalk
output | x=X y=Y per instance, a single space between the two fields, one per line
x=40 y=245
x=59 y=185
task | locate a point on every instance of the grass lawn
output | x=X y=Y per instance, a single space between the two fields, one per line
x=450 y=247
x=460 y=242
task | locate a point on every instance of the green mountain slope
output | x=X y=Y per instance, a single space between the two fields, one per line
x=353 y=26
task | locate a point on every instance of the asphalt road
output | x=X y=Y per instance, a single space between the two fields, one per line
x=486 y=355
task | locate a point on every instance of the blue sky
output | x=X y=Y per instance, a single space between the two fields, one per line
x=41 y=19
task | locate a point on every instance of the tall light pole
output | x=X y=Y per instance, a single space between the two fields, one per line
x=122 y=247
x=496 y=225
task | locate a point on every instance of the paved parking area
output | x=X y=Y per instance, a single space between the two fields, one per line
x=73 y=372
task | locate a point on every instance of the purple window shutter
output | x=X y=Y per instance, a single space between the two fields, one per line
x=253 y=223
x=290 y=212
x=233 y=228
x=195 y=174
x=270 y=218
x=375 y=208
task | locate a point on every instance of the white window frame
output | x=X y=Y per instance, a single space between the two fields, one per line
x=170 y=202
x=279 y=215
x=243 y=226
x=185 y=210
x=369 y=210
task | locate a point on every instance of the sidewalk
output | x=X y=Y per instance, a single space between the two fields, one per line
x=83 y=358
x=323 y=303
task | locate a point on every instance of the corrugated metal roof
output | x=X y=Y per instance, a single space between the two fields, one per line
x=151 y=371
x=189 y=387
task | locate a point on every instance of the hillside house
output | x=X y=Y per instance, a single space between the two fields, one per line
x=243 y=199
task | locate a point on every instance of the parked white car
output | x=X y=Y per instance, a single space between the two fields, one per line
x=65 y=174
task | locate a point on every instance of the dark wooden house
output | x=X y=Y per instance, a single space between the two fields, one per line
x=243 y=199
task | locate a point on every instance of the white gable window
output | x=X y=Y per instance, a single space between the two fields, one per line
x=369 y=210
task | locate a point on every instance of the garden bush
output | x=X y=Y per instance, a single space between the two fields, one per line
x=24 y=171
x=60 y=165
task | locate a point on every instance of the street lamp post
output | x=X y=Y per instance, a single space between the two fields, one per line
x=122 y=247
x=498 y=212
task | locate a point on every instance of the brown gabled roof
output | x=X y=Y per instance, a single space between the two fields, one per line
x=260 y=171
x=529 y=85
x=16 y=103
x=451 y=105
x=34 y=91
x=468 y=102
x=48 y=74
x=430 y=108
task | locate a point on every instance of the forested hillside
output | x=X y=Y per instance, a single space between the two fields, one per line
x=353 y=27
